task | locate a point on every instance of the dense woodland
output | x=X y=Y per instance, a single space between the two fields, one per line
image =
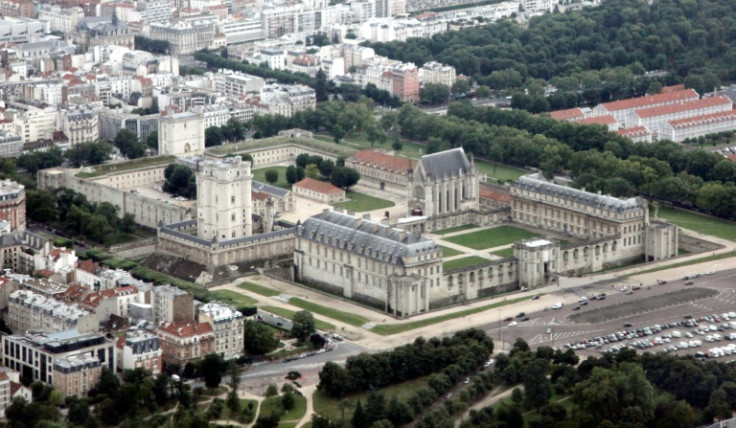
x=593 y=55
x=549 y=388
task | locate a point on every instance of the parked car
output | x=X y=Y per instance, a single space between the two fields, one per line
x=557 y=305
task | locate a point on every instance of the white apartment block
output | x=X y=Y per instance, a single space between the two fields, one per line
x=693 y=127
x=29 y=311
x=434 y=72
x=538 y=5
x=139 y=349
x=213 y=114
x=279 y=20
x=80 y=126
x=60 y=19
x=184 y=37
x=275 y=58
x=230 y=82
x=5 y=394
x=19 y=30
x=36 y=124
x=244 y=30
x=362 y=11
x=227 y=324
x=48 y=93
x=389 y=29
x=34 y=355
x=285 y=99
x=621 y=109
x=355 y=55
x=154 y=10
x=11 y=145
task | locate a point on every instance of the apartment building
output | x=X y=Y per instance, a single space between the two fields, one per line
x=36 y=124
x=76 y=375
x=170 y=304
x=29 y=311
x=34 y=355
x=235 y=83
x=184 y=37
x=13 y=204
x=656 y=117
x=213 y=114
x=80 y=126
x=139 y=349
x=11 y=145
x=60 y=19
x=694 y=127
x=434 y=72
x=184 y=342
x=621 y=109
x=227 y=324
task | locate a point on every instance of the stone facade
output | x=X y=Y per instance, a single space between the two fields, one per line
x=224 y=200
x=76 y=375
x=181 y=133
x=383 y=171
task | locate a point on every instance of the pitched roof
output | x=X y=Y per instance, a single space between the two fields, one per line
x=318 y=186
x=637 y=131
x=383 y=161
x=721 y=116
x=186 y=328
x=598 y=120
x=568 y=114
x=448 y=163
x=641 y=102
x=94 y=299
x=673 y=88
x=365 y=237
x=680 y=107
x=484 y=193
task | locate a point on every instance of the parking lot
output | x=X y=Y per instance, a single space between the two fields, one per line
x=670 y=317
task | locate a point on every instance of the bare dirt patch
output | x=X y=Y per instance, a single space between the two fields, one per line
x=647 y=304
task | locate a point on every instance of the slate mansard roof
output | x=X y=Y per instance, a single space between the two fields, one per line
x=449 y=163
x=366 y=238
x=536 y=183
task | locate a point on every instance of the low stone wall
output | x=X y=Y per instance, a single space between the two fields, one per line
x=693 y=244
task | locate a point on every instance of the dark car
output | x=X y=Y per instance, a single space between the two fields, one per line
x=628 y=324
x=509 y=319
x=525 y=319
x=535 y=297
x=576 y=308
x=520 y=315
x=689 y=282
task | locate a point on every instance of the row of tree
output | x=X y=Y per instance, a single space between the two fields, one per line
x=602 y=51
x=233 y=130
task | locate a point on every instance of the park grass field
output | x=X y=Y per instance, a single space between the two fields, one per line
x=285 y=313
x=499 y=171
x=505 y=253
x=490 y=238
x=332 y=313
x=699 y=223
x=260 y=175
x=455 y=229
x=360 y=202
x=389 y=329
x=233 y=298
x=258 y=289
x=328 y=407
x=449 y=252
x=462 y=262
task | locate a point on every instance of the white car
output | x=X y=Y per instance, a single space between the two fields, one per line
x=557 y=305
x=513 y=324
x=710 y=272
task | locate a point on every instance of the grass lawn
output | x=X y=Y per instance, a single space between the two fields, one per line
x=360 y=142
x=360 y=202
x=233 y=298
x=109 y=167
x=260 y=175
x=345 y=317
x=300 y=408
x=258 y=289
x=389 y=329
x=505 y=253
x=502 y=172
x=490 y=238
x=455 y=229
x=449 y=252
x=285 y=313
x=328 y=407
x=463 y=262
x=699 y=223
x=687 y=263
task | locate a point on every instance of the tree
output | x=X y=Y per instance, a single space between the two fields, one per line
x=211 y=368
x=291 y=174
x=152 y=140
x=288 y=401
x=537 y=389
x=302 y=325
x=320 y=87
x=460 y=87
x=272 y=391
x=302 y=160
x=344 y=177
x=127 y=142
x=359 y=418
x=259 y=339
x=312 y=171
x=272 y=176
x=434 y=93
x=41 y=206
x=483 y=91
x=179 y=180
x=90 y=153
x=213 y=136
x=326 y=167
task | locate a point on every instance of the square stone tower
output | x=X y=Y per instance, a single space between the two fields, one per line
x=224 y=205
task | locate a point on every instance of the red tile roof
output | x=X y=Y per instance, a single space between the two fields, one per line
x=568 y=114
x=642 y=102
x=703 y=119
x=597 y=120
x=186 y=328
x=673 y=88
x=88 y=266
x=318 y=186
x=383 y=161
x=680 y=107
x=637 y=131
x=492 y=194
x=94 y=299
